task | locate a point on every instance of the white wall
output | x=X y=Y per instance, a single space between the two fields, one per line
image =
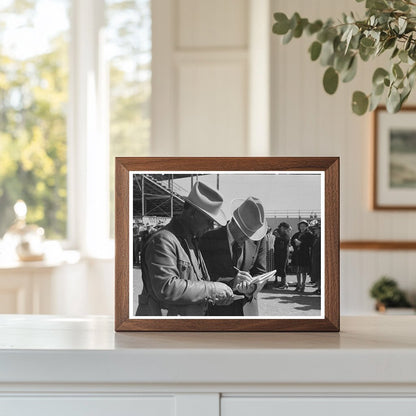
x=308 y=122
x=216 y=64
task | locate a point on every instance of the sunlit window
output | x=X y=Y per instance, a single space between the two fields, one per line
x=38 y=80
x=129 y=57
x=34 y=41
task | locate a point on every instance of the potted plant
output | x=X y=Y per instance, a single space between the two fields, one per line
x=387 y=294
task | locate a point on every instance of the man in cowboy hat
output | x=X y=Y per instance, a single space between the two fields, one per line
x=174 y=274
x=238 y=250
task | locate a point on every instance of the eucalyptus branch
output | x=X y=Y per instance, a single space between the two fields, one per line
x=339 y=47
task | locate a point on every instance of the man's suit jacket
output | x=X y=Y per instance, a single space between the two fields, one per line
x=217 y=256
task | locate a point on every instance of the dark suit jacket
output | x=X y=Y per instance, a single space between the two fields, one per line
x=216 y=252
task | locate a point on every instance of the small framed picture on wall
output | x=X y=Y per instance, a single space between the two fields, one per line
x=394 y=178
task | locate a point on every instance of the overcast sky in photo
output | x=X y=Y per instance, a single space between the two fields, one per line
x=278 y=192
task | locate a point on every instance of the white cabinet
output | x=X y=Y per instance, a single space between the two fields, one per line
x=88 y=406
x=323 y=406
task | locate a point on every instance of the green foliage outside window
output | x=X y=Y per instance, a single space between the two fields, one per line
x=33 y=99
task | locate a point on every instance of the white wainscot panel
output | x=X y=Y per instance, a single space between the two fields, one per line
x=212 y=24
x=266 y=406
x=87 y=406
x=212 y=108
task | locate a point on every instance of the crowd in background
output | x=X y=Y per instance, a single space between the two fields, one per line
x=298 y=254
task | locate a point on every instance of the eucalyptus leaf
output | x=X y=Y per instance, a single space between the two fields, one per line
x=281 y=27
x=389 y=43
x=327 y=53
x=288 y=37
x=330 y=80
x=374 y=102
x=351 y=71
x=397 y=71
x=314 y=27
x=376 y=4
x=395 y=52
x=315 y=50
x=393 y=101
x=403 y=56
x=341 y=62
x=359 y=103
x=379 y=75
x=402 y=22
x=378 y=89
x=408 y=42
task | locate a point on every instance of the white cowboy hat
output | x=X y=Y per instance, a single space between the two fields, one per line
x=207 y=200
x=249 y=217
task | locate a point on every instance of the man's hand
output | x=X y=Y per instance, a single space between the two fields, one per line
x=246 y=288
x=242 y=278
x=223 y=294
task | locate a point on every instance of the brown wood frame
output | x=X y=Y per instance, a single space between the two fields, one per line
x=376 y=205
x=378 y=245
x=330 y=165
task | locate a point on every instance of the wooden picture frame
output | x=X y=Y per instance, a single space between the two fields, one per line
x=394 y=146
x=324 y=168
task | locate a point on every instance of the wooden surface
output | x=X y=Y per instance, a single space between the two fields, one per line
x=330 y=165
x=378 y=245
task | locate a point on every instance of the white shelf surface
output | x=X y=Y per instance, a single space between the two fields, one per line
x=53 y=349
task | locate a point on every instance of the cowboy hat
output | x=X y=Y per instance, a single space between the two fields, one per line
x=249 y=217
x=208 y=201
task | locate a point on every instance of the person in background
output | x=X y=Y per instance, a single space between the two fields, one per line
x=174 y=274
x=270 y=238
x=301 y=256
x=238 y=250
x=315 y=226
x=281 y=253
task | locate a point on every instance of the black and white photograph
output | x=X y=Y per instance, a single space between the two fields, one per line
x=227 y=244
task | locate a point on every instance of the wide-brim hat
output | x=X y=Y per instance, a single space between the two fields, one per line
x=303 y=222
x=250 y=218
x=207 y=200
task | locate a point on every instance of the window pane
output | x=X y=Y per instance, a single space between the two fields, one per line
x=129 y=46
x=33 y=100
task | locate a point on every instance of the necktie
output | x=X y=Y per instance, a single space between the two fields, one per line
x=237 y=250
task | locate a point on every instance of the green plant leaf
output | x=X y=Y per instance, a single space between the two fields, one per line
x=288 y=37
x=379 y=75
x=374 y=101
x=389 y=43
x=393 y=101
x=397 y=71
x=359 y=103
x=281 y=27
x=376 y=4
x=327 y=53
x=315 y=50
x=395 y=52
x=314 y=27
x=330 y=80
x=408 y=42
x=403 y=56
x=351 y=71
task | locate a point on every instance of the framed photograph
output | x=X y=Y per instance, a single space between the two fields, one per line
x=227 y=244
x=395 y=159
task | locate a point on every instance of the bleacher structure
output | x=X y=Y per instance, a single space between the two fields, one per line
x=157 y=196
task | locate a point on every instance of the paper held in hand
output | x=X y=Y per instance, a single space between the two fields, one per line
x=261 y=279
